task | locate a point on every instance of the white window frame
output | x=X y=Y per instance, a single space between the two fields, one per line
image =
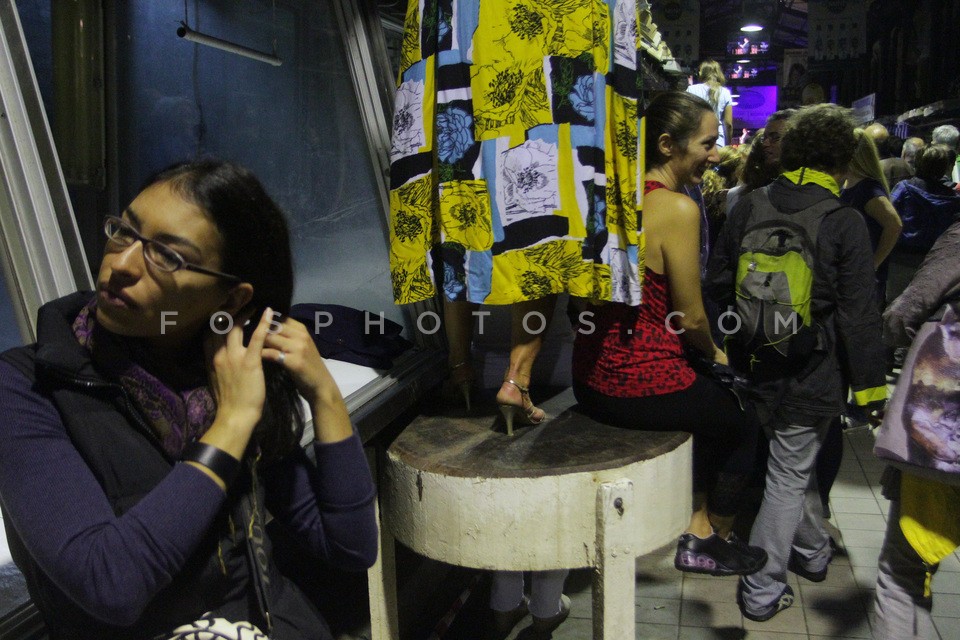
x=39 y=240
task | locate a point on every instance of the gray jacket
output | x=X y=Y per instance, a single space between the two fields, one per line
x=937 y=279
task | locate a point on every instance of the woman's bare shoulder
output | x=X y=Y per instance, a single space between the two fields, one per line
x=678 y=207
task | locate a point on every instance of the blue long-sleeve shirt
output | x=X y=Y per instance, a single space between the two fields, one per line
x=112 y=566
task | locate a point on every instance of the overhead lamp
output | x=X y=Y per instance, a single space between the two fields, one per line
x=744 y=61
x=187 y=33
x=751 y=26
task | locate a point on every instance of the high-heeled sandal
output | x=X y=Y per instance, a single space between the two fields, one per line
x=528 y=412
x=461 y=375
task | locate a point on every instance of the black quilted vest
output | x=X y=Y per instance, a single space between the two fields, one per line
x=128 y=461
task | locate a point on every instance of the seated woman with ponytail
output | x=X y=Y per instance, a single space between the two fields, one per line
x=148 y=432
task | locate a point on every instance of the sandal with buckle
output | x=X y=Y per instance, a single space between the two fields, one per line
x=528 y=413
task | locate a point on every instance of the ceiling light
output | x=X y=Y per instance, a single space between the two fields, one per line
x=744 y=61
x=751 y=27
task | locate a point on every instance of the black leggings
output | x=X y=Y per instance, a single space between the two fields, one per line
x=724 y=436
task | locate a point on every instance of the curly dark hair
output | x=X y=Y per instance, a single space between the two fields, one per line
x=819 y=137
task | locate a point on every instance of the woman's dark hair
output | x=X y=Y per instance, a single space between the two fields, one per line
x=256 y=249
x=675 y=113
x=819 y=137
x=934 y=162
x=754 y=172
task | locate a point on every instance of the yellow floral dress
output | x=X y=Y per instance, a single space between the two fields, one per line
x=514 y=162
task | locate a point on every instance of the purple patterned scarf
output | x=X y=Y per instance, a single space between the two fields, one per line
x=177 y=416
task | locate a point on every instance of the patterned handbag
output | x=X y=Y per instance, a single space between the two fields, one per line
x=210 y=628
x=921 y=427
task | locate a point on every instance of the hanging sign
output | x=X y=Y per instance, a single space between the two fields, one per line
x=864 y=109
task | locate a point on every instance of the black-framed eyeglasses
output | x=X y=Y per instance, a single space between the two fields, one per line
x=119 y=232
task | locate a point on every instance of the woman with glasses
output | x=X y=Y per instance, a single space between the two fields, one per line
x=762 y=165
x=148 y=431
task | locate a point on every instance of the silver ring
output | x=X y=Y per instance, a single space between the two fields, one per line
x=283 y=356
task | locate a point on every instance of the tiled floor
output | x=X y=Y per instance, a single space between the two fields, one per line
x=681 y=606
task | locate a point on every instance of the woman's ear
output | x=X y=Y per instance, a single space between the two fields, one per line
x=237 y=298
x=665 y=145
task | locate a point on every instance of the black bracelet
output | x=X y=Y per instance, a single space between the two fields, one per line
x=217 y=460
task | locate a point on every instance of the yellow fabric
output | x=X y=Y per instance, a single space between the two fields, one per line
x=465 y=214
x=805 y=175
x=864 y=397
x=929 y=518
x=515 y=159
x=541 y=270
x=569 y=207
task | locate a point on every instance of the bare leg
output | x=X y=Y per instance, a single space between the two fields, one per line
x=703 y=523
x=458 y=325
x=700 y=520
x=526 y=339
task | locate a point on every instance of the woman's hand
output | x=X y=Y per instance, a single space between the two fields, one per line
x=290 y=344
x=236 y=371
x=237 y=383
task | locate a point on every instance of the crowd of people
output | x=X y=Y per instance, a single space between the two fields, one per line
x=141 y=455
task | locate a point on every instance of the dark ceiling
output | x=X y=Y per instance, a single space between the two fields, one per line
x=720 y=21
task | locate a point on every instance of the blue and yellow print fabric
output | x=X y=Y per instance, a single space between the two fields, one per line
x=514 y=162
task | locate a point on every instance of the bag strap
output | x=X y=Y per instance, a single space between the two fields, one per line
x=256 y=533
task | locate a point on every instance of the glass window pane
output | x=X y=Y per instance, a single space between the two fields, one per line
x=297 y=126
x=13 y=589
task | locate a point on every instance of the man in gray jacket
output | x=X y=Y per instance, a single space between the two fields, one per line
x=797 y=409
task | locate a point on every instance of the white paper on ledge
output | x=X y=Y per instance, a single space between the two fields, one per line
x=350 y=378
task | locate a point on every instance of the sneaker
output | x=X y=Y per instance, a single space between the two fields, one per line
x=543 y=628
x=794 y=564
x=834 y=547
x=757 y=553
x=784 y=601
x=716 y=556
x=505 y=621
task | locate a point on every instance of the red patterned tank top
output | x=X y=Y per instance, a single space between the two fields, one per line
x=629 y=352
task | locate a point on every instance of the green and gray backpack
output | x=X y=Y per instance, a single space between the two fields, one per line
x=776 y=332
